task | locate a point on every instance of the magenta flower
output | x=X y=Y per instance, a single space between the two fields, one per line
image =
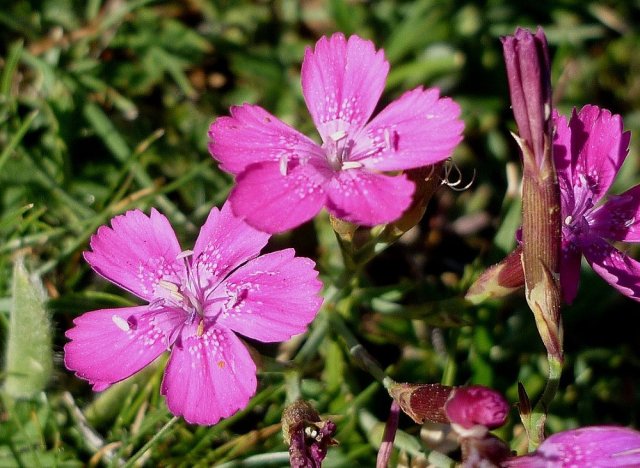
x=284 y=178
x=588 y=153
x=196 y=301
x=596 y=446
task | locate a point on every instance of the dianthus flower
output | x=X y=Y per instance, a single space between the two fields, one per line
x=197 y=301
x=284 y=178
x=588 y=151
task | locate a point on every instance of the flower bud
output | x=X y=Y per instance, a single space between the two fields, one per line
x=476 y=406
x=498 y=280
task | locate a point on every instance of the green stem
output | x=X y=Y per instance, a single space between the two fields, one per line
x=159 y=435
x=357 y=351
x=539 y=413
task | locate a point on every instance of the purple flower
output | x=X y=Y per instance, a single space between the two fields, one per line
x=588 y=153
x=196 y=301
x=596 y=446
x=284 y=178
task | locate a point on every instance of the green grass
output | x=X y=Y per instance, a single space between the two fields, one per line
x=105 y=106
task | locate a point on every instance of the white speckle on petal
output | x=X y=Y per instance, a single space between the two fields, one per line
x=121 y=323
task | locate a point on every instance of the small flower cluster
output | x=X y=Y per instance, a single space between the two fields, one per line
x=199 y=300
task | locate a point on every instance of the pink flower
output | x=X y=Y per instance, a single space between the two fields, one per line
x=284 y=178
x=588 y=153
x=196 y=301
x=596 y=446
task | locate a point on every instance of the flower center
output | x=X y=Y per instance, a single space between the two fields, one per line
x=577 y=223
x=190 y=294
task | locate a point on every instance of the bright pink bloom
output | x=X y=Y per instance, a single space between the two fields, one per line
x=596 y=446
x=284 y=178
x=197 y=300
x=588 y=153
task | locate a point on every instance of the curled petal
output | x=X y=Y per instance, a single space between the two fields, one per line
x=224 y=243
x=362 y=197
x=599 y=147
x=252 y=135
x=209 y=376
x=616 y=268
x=619 y=218
x=110 y=345
x=272 y=297
x=136 y=252
x=273 y=201
x=342 y=81
x=417 y=129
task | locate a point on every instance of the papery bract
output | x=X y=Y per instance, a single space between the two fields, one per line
x=283 y=178
x=197 y=301
x=596 y=446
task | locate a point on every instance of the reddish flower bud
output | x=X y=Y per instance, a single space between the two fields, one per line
x=476 y=406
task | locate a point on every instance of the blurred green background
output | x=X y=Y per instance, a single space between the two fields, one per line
x=105 y=106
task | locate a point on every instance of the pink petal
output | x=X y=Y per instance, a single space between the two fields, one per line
x=136 y=252
x=570 y=271
x=208 y=377
x=109 y=345
x=224 y=243
x=416 y=130
x=274 y=202
x=272 y=297
x=342 y=82
x=599 y=147
x=595 y=446
x=619 y=218
x=618 y=269
x=562 y=157
x=253 y=135
x=362 y=197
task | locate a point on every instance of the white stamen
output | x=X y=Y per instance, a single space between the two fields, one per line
x=351 y=165
x=284 y=161
x=184 y=254
x=168 y=285
x=568 y=220
x=547 y=111
x=172 y=289
x=629 y=222
x=338 y=135
x=121 y=323
x=387 y=138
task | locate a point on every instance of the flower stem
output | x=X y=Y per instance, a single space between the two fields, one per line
x=360 y=355
x=539 y=413
x=159 y=435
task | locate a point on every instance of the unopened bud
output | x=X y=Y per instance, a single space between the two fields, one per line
x=476 y=406
x=499 y=280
